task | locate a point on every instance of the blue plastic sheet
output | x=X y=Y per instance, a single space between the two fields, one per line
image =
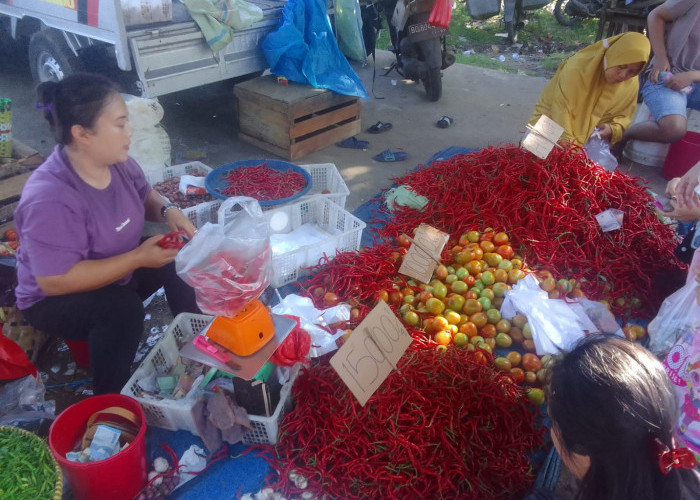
x=303 y=49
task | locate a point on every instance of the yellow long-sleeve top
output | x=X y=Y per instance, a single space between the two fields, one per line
x=579 y=98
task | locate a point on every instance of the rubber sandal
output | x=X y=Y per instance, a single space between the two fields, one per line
x=445 y=122
x=379 y=127
x=388 y=156
x=353 y=143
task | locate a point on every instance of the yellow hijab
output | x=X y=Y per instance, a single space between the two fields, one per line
x=579 y=98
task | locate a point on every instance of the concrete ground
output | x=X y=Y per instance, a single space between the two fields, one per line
x=488 y=107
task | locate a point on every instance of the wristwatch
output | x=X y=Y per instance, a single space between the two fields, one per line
x=167 y=207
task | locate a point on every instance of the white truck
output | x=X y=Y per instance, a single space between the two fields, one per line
x=159 y=57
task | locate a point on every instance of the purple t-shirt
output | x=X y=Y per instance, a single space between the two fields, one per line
x=62 y=220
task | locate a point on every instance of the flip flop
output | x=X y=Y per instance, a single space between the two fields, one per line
x=353 y=143
x=388 y=155
x=445 y=122
x=379 y=127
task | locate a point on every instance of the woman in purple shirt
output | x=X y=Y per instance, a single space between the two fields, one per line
x=83 y=270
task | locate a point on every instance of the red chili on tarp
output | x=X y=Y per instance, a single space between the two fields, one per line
x=262 y=183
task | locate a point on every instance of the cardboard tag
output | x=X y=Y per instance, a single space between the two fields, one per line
x=371 y=352
x=424 y=255
x=542 y=137
x=610 y=219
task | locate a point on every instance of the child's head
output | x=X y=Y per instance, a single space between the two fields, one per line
x=78 y=99
x=609 y=398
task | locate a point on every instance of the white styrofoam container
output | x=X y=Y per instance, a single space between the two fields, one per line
x=177 y=415
x=344 y=228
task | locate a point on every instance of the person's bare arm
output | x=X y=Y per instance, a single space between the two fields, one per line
x=177 y=221
x=90 y=275
x=656 y=29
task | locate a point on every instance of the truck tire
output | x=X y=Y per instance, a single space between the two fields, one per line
x=50 y=58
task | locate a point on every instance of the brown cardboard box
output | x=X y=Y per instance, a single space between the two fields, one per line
x=24 y=159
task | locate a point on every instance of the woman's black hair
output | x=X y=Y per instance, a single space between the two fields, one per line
x=78 y=99
x=608 y=399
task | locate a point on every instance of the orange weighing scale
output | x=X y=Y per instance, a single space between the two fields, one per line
x=240 y=345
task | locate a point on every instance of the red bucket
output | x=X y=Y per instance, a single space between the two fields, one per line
x=119 y=477
x=682 y=155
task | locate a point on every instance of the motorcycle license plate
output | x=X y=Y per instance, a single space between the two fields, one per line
x=424 y=31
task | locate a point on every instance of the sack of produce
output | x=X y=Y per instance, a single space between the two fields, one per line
x=229 y=263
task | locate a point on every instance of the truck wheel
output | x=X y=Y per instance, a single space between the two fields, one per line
x=50 y=58
x=433 y=84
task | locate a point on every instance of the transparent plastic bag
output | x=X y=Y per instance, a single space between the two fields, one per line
x=598 y=150
x=678 y=314
x=229 y=263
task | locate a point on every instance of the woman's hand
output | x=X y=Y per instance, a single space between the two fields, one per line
x=685 y=189
x=684 y=213
x=679 y=81
x=177 y=221
x=605 y=131
x=660 y=65
x=151 y=254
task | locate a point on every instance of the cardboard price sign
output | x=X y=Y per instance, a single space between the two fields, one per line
x=371 y=352
x=543 y=137
x=424 y=255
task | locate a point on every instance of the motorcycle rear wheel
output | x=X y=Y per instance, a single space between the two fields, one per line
x=433 y=84
x=566 y=14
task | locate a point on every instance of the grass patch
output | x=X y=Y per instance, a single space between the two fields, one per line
x=552 y=61
x=483 y=61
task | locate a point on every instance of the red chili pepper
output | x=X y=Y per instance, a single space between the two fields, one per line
x=262 y=182
x=172 y=240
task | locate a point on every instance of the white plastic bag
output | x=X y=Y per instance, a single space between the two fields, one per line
x=679 y=313
x=229 y=263
x=598 y=150
x=150 y=143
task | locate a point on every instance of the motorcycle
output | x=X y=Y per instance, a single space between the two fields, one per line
x=571 y=12
x=513 y=12
x=420 y=49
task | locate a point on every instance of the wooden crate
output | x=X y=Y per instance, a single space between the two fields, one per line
x=295 y=120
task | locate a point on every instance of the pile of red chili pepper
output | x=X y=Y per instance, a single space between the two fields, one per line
x=262 y=182
x=443 y=425
x=549 y=208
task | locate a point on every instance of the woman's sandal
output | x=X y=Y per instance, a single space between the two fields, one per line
x=379 y=127
x=388 y=156
x=353 y=143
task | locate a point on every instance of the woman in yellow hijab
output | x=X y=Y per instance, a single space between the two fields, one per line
x=596 y=87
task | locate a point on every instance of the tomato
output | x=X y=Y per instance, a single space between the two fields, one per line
x=383 y=295
x=438 y=323
x=460 y=340
x=500 y=275
x=473 y=267
x=514 y=357
x=477 y=253
x=500 y=289
x=461 y=273
x=434 y=305
x=440 y=290
x=472 y=306
x=503 y=326
x=459 y=287
x=479 y=319
x=403 y=240
x=544 y=274
x=531 y=362
x=548 y=284
x=487 y=235
x=517 y=263
x=488 y=293
x=330 y=299
x=456 y=302
x=471 y=294
x=500 y=238
x=443 y=337
x=487 y=278
x=503 y=339
x=395 y=297
x=441 y=272
x=639 y=331
x=480 y=357
x=493 y=316
x=519 y=320
x=452 y=317
x=488 y=331
x=536 y=396
x=411 y=318
x=515 y=275
x=543 y=376
x=469 y=329
x=527 y=332
x=485 y=303
x=493 y=259
x=630 y=334
x=502 y=364
x=473 y=236
x=516 y=334
x=505 y=251
x=11 y=235
x=530 y=377
x=486 y=347
x=529 y=345
x=450 y=278
x=487 y=246
x=518 y=375
x=491 y=342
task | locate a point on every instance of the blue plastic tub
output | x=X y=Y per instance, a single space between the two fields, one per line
x=214 y=182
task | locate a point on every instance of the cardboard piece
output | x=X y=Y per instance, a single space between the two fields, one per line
x=543 y=137
x=371 y=352
x=424 y=255
x=24 y=159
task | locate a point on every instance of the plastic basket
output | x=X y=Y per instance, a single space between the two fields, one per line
x=345 y=233
x=171 y=414
x=177 y=414
x=215 y=183
x=325 y=177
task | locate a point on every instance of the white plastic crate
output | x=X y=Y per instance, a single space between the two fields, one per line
x=177 y=415
x=344 y=228
x=171 y=414
x=325 y=177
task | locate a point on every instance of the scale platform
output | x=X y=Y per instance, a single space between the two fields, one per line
x=245 y=367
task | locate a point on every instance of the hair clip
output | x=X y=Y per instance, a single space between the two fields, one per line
x=673 y=458
x=43 y=107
